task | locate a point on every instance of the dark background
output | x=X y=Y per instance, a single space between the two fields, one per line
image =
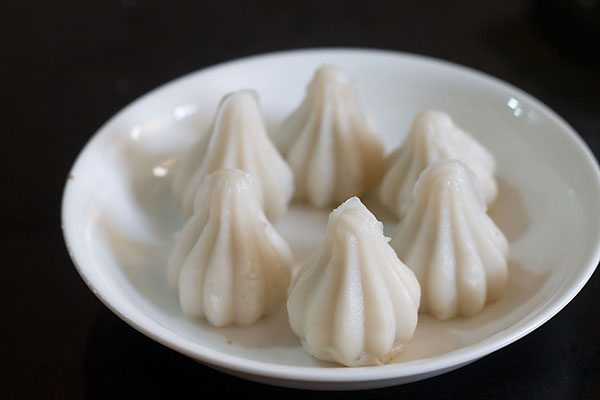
x=66 y=67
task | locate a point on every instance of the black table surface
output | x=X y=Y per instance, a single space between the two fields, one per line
x=68 y=66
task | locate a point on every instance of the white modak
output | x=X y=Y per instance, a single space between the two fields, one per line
x=237 y=139
x=229 y=265
x=354 y=302
x=433 y=137
x=454 y=248
x=329 y=143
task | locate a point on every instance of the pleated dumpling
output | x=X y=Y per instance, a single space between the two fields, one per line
x=329 y=143
x=354 y=302
x=229 y=265
x=237 y=139
x=434 y=137
x=454 y=248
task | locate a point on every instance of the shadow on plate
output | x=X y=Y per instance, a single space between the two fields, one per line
x=508 y=211
x=120 y=362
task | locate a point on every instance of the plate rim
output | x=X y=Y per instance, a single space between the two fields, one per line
x=146 y=325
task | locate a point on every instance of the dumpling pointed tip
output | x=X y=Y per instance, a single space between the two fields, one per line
x=446 y=173
x=225 y=179
x=330 y=74
x=231 y=176
x=353 y=213
x=450 y=167
x=432 y=119
x=243 y=97
x=353 y=203
x=239 y=112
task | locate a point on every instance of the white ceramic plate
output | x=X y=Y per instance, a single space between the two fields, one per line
x=119 y=216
